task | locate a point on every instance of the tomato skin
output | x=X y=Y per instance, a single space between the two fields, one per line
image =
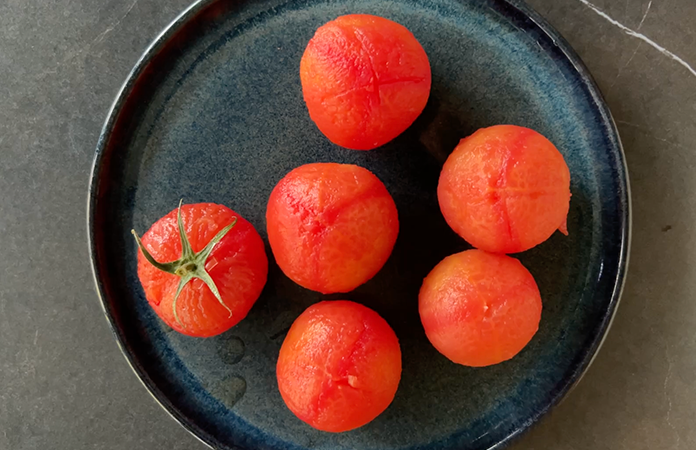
x=365 y=79
x=238 y=266
x=479 y=308
x=339 y=366
x=331 y=226
x=505 y=189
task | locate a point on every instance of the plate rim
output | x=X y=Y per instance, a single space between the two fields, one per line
x=588 y=353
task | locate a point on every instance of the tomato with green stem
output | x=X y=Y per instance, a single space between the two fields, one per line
x=216 y=269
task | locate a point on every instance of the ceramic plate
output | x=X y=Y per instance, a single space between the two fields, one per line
x=214 y=112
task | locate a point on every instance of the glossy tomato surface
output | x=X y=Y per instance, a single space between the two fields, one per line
x=238 y=266
x=331 y=226
x=365 y=79
x=479 y=308
x=339 y=366
x=505 y=189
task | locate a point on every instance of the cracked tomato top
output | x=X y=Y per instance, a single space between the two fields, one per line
x=505 y=189
x=331 y=226
x=339 y=366
x=365 y=79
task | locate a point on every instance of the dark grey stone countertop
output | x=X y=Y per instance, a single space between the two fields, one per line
x=65 y=385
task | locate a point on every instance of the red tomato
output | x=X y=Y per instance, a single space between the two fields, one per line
x=339 y=366
x=505 y=189
x=365 y=79
x=479 y=308
x=331 y=226
x=231 y=261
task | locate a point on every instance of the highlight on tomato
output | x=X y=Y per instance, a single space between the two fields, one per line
x=479 y=308
x=202 y=267
x=339 y=366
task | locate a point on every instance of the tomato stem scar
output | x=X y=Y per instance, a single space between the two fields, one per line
x=191 y=265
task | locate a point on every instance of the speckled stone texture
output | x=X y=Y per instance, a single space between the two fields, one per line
x=64 y=383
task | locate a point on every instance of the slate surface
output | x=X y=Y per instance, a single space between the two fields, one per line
x=64 y=384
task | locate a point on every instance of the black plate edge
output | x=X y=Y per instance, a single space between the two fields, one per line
x=112 y=118
x=589 y=84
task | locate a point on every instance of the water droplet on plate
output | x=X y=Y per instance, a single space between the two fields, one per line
x=229 y=390
x=231 y=350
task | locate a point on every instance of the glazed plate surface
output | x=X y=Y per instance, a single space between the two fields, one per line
x=214 y=113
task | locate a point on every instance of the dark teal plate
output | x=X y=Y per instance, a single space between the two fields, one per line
x=214 y=112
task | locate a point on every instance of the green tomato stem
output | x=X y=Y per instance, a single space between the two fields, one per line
x=191 y=265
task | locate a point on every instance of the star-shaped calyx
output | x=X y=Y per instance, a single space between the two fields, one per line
x=191 y=265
